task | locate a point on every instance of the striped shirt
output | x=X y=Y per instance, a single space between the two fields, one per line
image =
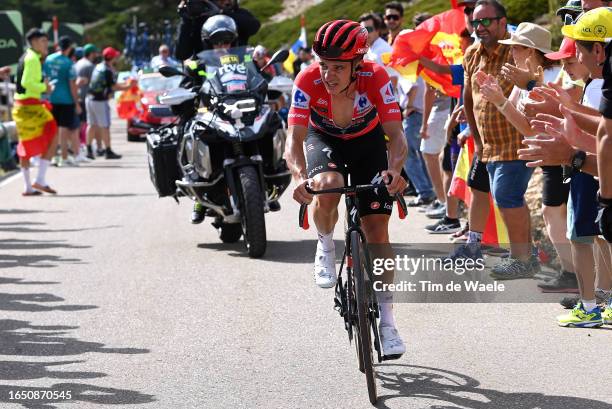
x=500 y=139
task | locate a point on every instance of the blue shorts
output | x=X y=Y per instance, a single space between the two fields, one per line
x=582 y=209
x=509 y=181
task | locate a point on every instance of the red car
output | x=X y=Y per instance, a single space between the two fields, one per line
x=151 y=87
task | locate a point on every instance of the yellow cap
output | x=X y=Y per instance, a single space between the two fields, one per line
x=594 y=25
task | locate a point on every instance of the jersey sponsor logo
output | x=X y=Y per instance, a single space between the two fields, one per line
x=328 y=151
x=300 y=99
x=365 y=73
x=309 y=147
x=363 y=104
x=322 y=101
x=297 y=116
x=375 y=205
x=394 y=111
x=317 y=81
x=387 y=93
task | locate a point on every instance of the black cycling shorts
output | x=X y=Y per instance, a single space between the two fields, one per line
x=479 y=176
x=554 y=191
x=363 y=158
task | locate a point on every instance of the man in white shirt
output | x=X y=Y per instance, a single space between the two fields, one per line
x=163 y=58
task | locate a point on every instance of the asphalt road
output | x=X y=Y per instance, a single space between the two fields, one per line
x=108 y=292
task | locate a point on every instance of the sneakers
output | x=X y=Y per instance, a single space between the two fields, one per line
x=444 y=226
x=606 y=316
x=468 y=251
x=100 y=152
x=198 y=214
x=580 y=318
x=438 y=213
x=569 y=302
x=392 y=344
x=603 y=296
x=420 y=201
x=111 y=155
x=564 y=283
x=512 y=269
x=325 y=268
x=435 y=204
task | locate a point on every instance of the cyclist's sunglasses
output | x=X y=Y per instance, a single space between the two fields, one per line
x=486 y=22
x=468 y=10
x=395 y=17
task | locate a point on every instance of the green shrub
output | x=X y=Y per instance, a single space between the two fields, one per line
x=525 y=10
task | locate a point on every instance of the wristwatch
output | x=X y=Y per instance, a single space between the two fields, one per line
x=576 y=165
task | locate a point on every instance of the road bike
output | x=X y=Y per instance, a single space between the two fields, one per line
x=355 y=299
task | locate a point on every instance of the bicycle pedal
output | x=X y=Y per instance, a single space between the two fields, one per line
x=391 y=357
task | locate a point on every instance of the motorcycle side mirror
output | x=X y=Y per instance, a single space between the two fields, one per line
x=168 y=71
x=279 y=56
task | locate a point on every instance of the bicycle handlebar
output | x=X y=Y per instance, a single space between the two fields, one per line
x=303 y=215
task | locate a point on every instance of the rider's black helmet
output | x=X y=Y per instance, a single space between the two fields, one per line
x=219 y=29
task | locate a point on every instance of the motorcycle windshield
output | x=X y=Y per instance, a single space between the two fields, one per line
x=231 y=71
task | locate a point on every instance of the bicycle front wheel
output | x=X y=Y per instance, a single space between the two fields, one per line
x=364 y=334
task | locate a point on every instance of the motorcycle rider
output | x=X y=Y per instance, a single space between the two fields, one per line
x=218 y=33
x=194 y=13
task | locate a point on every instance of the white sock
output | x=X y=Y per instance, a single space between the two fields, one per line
x=387 y=318
x=589 y=305
x=26 y=179
x=326 y=242
x=43 y=165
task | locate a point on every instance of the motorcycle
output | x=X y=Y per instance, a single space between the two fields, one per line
x=229 y=150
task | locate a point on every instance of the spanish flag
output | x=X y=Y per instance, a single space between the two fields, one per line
x=496 y=233
x=127 y=104
x=35 y=125
x=437 y=38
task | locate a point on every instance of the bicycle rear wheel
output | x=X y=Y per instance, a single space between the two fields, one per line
x=364 y=334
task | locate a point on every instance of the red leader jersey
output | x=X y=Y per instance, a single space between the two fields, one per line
x=375 y=102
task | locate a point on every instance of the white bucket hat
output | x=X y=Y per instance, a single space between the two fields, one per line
x=532 y=36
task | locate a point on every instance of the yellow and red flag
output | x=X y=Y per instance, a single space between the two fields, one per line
x=495 y=233
x=438 y=38
x=35 y=125
x=127 y=104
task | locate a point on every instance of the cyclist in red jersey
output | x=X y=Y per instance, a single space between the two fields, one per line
x=341 y=109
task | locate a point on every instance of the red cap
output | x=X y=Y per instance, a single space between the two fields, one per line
x=567 y=50
x=109 y=53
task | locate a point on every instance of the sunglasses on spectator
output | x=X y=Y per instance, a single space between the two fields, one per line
x=369 y=29
x=468 y=10
x=486 y=22
x=395 y=17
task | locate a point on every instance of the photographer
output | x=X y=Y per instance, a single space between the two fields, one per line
x=195 y=12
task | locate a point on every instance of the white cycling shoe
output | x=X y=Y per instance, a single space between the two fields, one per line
x=325 y=268
x=393 y=346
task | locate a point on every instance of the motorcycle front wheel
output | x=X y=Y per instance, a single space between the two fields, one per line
x=253 y=220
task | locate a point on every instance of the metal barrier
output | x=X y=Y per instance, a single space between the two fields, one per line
x=7 y=92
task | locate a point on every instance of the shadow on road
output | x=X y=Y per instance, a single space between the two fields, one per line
x=36 y=261
x=296 y=251
x=22 y=339
x=20 y=281
x=31 y=303
x=104 y=195
x=26 y=211
x=86 y=394
x=456 y=390
x=16 y=244
x=16 y=229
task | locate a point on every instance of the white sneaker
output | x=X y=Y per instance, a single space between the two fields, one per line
x=81 y=158
x=70 y=162
x=392 y=344
x=325 y=268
